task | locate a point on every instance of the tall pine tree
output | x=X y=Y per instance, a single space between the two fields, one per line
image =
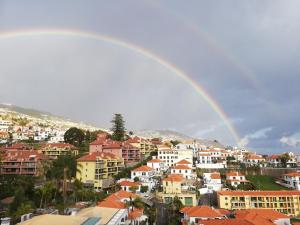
x=118 y=128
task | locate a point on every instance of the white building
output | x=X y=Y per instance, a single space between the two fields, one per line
x=145 y=175
x=4 y=125
x=292 y=180
x=255 y=160
x=212 y=182
x=184 y=170
x=172 y=156
x=235 y=178
x=158 y=165
x=210 y=160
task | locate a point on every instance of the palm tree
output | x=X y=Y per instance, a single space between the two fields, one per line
x=46 y=193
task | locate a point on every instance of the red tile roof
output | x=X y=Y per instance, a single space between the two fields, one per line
x=59 y=145
x=183 y=162
x=202 y=211
x=174 y=178
x=234 y=174
x=215 y=175
x=129 y=183
x=143 y=169
x=181 y=167
x=251 y=214
x=225 y=222
x=294 y=174
x=93 y=156
x=155 y=161
x=135 y=213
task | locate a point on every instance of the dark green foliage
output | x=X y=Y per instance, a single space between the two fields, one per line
x=144 y=189
x=74 y=136
x=118 y=128
x=175 y=142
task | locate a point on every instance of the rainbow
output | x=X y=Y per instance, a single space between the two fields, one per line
x=137 y=49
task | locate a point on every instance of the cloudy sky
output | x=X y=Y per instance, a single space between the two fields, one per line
x=245 y=55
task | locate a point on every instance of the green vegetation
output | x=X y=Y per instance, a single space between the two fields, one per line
x=118 y=128
x=74 y=136
x=264 y=182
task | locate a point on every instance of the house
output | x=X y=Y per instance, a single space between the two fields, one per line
x=54 y=150
x=211 y=159
x=158 y=165
x=183 y=170
x=122 y=200
x=292 y=180
x=173 y=187
x=97 y=169
x=172 y=156
x=283 y=201
x=255 y=160
x=185 y=163
x=212 y=182
x=143 y=173
x=276 y=160
x=128 y=185
x=196 y=214
x=235 y=179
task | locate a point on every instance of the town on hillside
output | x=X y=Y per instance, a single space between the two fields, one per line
x=57 y=175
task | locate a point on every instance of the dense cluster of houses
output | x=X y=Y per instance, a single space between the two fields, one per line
x=170 y=172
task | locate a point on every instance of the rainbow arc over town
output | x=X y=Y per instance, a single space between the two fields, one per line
x=137 y=49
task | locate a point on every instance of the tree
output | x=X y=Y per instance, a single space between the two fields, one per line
x=74 y=136
x=246 y=186
x=284 y=158
x=118 y=128
x=144 y=189
x=175 y=142
x=133 y=189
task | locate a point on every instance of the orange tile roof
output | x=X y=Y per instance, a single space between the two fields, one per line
x=215 y=175
x=260 y=193
x=251 y=214
x=155 y=161
x=174 y=178
x=183 y=162
x=93 y=156
x=295 y=174
x=143 y=169
x=135 y=213
x=181 y=167
x=111 y=204
x=202 y=211
x=59 y=145
x=225 y=222
x=129 y=183
x=234 y=174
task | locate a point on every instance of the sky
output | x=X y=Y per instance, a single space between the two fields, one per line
x=244 y=55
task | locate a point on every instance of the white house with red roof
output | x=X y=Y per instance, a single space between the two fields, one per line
x=185 y=162
x=196 y=214
x=158 y=165
x=184 y=170
x=145 y=174
x=255 y=160
x=235 y=178
x=127 y=185
x=292 y=180
x=212 y=182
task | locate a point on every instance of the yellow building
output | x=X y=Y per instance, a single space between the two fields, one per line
x=54 y=150
x=287 y=202
x=144 y=145
x=172 y=186
x=97 y=169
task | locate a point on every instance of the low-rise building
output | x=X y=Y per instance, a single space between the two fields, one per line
x=172 y=156
x=22 y=162
x=235 y=179
x=212 y=182
x=144 y=173
x=255 y=160
x=287 y=202
x=158 y=165
x=128 y=185
x=54 y=150
x=197 y=214
x=183 y=170
x=145 y=146
x=97 y=169
x=172 y=187
x=292 y=180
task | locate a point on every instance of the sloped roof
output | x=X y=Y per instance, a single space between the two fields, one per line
x=202 y=211
x=143 y=169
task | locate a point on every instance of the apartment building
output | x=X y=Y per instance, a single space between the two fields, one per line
x=123 y=150
x=211 y=159
x=287 y=202
x=97 y=169
x=54 y=150
x=158 y=165
x=255 y=160
x=172 y=156
x=22 y=162
x=173 y=186
x=212 y=182
x=145 y=146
